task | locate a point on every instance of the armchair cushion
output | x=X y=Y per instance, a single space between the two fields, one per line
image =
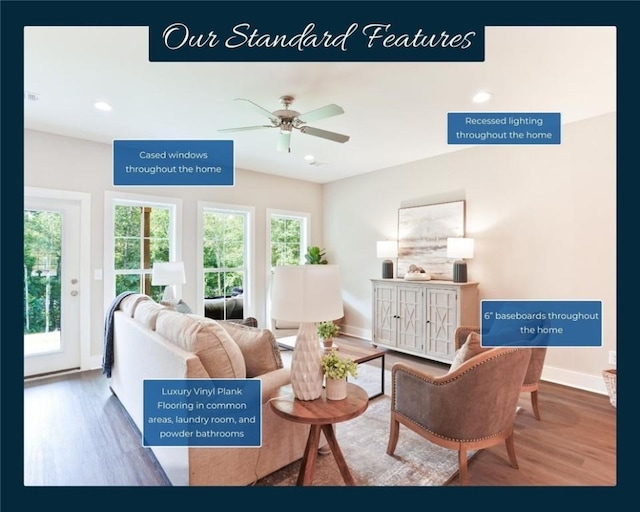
x=470 y=349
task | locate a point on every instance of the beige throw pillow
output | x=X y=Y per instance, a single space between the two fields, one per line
x=258 y=346
x=219 y=354
x=471 y=348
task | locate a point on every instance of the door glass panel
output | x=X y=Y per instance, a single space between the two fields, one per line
x=42 y=281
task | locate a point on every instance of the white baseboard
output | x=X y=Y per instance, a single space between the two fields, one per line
x=593 y=383
x=93 y=363
x=356 y=332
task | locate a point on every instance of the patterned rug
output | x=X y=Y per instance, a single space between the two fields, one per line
x=363 y=440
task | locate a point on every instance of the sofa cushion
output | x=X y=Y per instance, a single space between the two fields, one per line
x=258 y=346
x=469 y=349
x=130 y=302
x=219 y=354
x=146 y=313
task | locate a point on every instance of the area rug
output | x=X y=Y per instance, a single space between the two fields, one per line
x=363 y=440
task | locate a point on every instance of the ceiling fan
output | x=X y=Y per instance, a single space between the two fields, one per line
x=288 y=120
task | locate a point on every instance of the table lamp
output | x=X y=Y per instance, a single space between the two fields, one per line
x=387 y=249
x=168 y=274
x=460 y=248
x=306 y=294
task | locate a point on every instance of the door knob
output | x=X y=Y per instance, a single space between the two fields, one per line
x=74 y=293
x=74 y=281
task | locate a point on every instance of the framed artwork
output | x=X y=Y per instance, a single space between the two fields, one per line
x=422 y=237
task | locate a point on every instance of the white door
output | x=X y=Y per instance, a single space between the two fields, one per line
x=51 y=274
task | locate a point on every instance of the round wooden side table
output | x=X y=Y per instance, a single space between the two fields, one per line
x=321 y=414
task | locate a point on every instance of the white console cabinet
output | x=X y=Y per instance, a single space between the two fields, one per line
x=420 y=317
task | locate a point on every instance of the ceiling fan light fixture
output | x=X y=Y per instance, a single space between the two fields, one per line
x=309 y=158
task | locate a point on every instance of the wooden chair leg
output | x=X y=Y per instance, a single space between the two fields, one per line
x=394 y=432
x=534 y=404
x=462 y=464
x=511 y=450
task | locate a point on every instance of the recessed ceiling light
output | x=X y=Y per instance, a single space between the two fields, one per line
x=309 y=158
x=482 y=97
x=101 y=105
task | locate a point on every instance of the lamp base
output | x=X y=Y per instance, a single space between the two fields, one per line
x=387 y=269
x=168 y=295
x=306 y=370
x=460 y=271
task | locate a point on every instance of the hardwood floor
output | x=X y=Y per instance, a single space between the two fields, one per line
x=77 y=433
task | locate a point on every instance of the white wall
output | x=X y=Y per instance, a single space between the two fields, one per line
x=543 y=218
x=66 y=163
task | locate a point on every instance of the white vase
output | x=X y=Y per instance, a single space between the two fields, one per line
x=306 y=370
x=336 y=389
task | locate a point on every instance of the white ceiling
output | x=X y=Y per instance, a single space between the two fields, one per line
x=394 y=112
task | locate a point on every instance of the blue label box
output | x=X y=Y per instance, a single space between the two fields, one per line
x=173 y=163
x=202 y=412
x=485 y=128
x=541 y=323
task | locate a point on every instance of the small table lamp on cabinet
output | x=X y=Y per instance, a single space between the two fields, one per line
x=460 y=248
x=387 y=249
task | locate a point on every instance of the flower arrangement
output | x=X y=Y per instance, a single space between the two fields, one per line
x=336 y=367
x=328 y=330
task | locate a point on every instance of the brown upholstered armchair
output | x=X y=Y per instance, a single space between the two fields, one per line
x=534 y=371
x=470 y=408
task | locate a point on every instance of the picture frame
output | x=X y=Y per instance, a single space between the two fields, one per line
x=422 y=237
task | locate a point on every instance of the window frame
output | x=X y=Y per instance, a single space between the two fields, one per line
x=174 y=205
x=249 y=252
x=304 y=243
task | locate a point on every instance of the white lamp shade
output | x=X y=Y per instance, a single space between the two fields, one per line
x=306 y=293
x=460 y=248
x=387 y=249
x=167 y=274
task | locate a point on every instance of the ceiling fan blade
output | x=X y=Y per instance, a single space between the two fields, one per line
x=245 y=128
x=316 y=132
x=321 y=113
x=260 y=110
x=284 y=141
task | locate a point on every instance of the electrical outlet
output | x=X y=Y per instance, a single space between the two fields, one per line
x=612 y=357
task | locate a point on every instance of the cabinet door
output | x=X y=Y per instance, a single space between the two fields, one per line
x=384 y=314
x=441 y=323
x=411 y=318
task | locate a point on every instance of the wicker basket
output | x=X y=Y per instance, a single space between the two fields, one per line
x=610 y=378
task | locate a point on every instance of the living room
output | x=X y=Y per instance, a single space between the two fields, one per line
x=533 y=211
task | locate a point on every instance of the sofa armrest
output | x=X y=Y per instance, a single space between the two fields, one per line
x=273 y=381
x=258 y=346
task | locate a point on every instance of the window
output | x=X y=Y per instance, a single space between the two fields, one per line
x=288 y=240
x=225 y=236
x=140 y=231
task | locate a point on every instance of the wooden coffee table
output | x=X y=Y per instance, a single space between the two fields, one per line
x=358 y=354
x=321 y=414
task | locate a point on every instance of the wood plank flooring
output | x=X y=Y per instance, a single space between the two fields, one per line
x=77 y=433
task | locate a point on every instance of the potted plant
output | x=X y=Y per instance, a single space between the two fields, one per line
x=315 y=256
x=336 y=369
x=326 y=332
